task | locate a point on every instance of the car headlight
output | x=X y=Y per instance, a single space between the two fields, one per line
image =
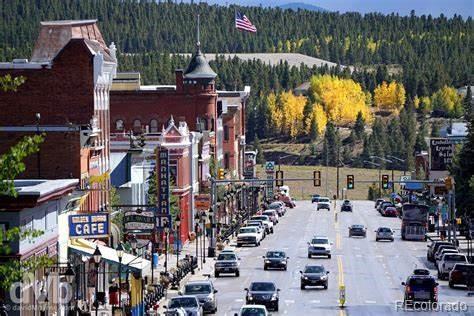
x=267 y=261
x=324 y=277
x=306 y=278
x=274 y=297
x=250 y=297
x=208 y=299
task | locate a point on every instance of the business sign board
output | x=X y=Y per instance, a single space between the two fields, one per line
x=270 y=177
x=162 y=221
x=139 y=220
x=270 y=166
x=202 y=202
x=404 y=178
x=89 y=225
x=250 y=160
x=441 y=153
x=163 y=174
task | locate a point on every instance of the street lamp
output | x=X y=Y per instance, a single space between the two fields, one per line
x=97 y=255
x=399 y=160
x=380 y=174
x=203 y=244
x=38 y=159
x=44 y=305
x=196 y=229
x=178 y=238
x=167 y=231
x=120 y=252
x=69 y=274
x=133 y=243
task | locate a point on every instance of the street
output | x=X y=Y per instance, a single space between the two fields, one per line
x=371 y=271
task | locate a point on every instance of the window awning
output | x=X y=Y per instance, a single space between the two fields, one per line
x=86 y=248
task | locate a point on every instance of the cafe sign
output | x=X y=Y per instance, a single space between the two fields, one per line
x=89 y=225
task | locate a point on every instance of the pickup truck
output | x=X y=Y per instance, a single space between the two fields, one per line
x=249 y=236
x=447 y=262
x=260 y=226
x=266 y=220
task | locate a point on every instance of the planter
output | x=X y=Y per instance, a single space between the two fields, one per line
x=220 y=246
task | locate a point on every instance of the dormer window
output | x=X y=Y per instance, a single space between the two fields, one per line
x=137 y=126
x=153 y=126
x=119 y=125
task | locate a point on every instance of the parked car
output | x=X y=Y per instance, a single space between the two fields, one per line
x=249 y=236
x=319 y=246
x=420 y=287
x=266 y=221
x=260 y=226
x=384 y=233
x=323 y=203
x=272 y=215
x=447 y=262
x=205 y=292
x=252 y=310
x=314 y=275
x=357 y=230
x=189 y=303
x=263 y=293
x=275 y=260
x=226 y=262
x=462 y=273
x=266 y=225
x=315 y=198
x=439 y=255
x=390 y=211
x=433 y=248
x=279 y=207
x=346 y=206
x=384 y=205
x=377 y=202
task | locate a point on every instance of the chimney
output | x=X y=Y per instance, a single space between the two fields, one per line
x=179 y=79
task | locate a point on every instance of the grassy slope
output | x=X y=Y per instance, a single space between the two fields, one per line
x=303 y=189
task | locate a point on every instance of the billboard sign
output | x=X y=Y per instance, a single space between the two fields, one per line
x=202 y=202
x=162 y=221
x=441 y=153
x=139 y=220
x=89 y=225
x=250 y=161
x=163 y=174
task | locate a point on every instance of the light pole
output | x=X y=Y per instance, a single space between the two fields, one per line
x=38 y=158
x=97 y=258
x=391 y=165
x=203 y=244
x=380 y=174
x=69 y=274
x=167 y=231
x=133 y=243
x=337 y=162
x=178 y=238
x=196 y=230
x=120 y=256
x=399 y=160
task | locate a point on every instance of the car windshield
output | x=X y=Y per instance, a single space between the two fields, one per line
x=252 y=311
x=269 y=213
x=357 y=227
x=314 y=269
x=248 y=230
x=177 y=302
x=347 y=201
x=426 y=283
x=464 y=267
x=384 y=230
x=276 y=254
x=191 y=289
x=323 y=200
x=454 y=257
x=262 y=218
x=274 y=206
x=226 y=256
x=263 y=286
x=319 y=241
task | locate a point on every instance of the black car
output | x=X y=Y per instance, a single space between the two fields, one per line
x=346 y=206
x=275 y=260
x=263 y=293
x=314 y=275
x=420 y=287
x=315 y=198
x=357 y=230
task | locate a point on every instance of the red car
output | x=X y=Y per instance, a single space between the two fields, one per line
x=390 y=211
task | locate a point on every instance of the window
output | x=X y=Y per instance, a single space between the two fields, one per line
x=3 y=230
x=119 y=125
x=153 y=126
x=226 y=132
x=137 y=126
x=226 y=161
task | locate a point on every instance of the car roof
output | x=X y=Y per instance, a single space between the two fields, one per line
x=319 y=236
x=262 y=282
x=184 y=296
x=357 y=225
x=254 y=306
x=314 y=265
x=199 y=282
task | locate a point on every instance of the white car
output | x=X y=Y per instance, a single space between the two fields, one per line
x=268 y=229
x=447 y=262
x=260 y=226
x=266 y=220
x=272 y=215
x=249 y=236
x=252 y=310
x=323 y=203
x=440 y=254
x=319 y=246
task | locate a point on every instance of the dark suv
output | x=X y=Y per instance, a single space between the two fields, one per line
x=263 y=293
x=315 y=198
x=226 y=262
x=346 y=206
x=275 y=259
x=420 y=287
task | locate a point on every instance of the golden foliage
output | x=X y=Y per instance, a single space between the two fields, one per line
x=390 y=96
x=286 y=112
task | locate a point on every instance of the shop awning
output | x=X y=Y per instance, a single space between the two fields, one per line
x=86 y=248
x=414 y=186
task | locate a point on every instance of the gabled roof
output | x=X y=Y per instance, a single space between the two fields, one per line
x=199 y=68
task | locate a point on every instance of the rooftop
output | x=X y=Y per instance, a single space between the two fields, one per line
x=199 y=68
x=40 y=187
x=69 y=22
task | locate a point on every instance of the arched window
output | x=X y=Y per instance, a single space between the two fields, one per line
x=119 y=125
x=137 y=126
x=153 y=126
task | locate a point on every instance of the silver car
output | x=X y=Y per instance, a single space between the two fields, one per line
x=205 y=292
x=384 y=233
x=189 y=303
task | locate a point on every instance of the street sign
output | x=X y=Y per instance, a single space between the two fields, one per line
x=162 y=221
x=163 y=174
x=270 y=166
x=270 y=185
x=202 y=202
x=89 y=225
x=441 y=153
x=404 y=178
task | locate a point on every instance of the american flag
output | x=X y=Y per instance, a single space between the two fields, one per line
x=243 y=23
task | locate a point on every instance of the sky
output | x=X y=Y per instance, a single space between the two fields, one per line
x=464 y=8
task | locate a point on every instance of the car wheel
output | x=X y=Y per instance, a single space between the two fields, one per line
x=237 y=274
x=302 y=286
x=276 y=307
x=216 y=274
x=265 y=268
x=285 y=268
x=272 y=230
x=326 y=286
x=451 y=284
x=376 y=239
x=329 y=256
x=309 y=256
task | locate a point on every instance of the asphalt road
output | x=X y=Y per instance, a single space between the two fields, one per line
x=371 y=271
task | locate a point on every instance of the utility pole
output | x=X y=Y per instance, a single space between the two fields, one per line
x=337 y=163
x=327 y=168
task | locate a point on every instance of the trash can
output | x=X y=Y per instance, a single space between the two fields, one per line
x=155 y=260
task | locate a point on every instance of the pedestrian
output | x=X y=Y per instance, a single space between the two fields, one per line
x=113 y=293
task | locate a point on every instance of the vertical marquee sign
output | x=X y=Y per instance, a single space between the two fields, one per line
x=163 y=174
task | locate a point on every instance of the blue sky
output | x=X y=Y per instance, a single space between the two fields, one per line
x=402 y=7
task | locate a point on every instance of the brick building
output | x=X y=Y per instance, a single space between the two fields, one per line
x=65 y=96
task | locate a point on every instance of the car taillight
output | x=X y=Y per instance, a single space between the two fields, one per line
x=408 y=289
x=435 y=293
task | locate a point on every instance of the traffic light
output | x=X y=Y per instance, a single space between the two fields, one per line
x=385 y=181
x=279 y=178
x=220 y=174
x=317 y=178
x=350 y=182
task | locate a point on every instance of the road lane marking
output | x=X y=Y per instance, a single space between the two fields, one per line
x=338 y=241
x=315 y=301
x=340 y=270
x=370 y=302
x=239 y=300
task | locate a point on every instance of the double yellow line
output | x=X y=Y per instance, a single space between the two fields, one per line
x=340 y=271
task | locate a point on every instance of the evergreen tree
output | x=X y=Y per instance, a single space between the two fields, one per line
x=420 y=143
x=331 y=145
x=258 y=147
x=313 y=129
x=435 y=129
x=467 y=103
x=408 y=128
x=359 y=126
